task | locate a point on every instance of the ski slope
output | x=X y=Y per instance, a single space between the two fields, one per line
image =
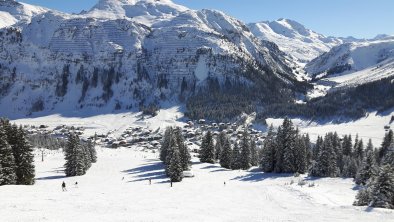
x=102 y=195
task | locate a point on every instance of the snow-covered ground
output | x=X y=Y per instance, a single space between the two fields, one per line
x=115 y=123
x=102 y=195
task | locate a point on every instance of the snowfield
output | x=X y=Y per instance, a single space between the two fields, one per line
x=102 y=195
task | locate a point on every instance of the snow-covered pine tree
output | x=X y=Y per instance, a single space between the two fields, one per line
x=349 y=167
x=254 y=152
x=245 y=156
x=308 y=147
x=347 y=149
x=235 y=157
x=24 y=159
x=364 y=196
x=368 y=166
x=359 y=151
x=172 y=145
x=326 y=164
x=387 y=141
x=7 y=160
x=226 y=155
x=165 y=143
x=268 y=153
x=92 y=150
x=300 y=154
x=74 y=156
x=183 y=149
x=1 y=174
x=207 y=150
x=175 y=169
x=87 y=158
x=220 y=140
x=286 y=139
x=316 y=149
x=383 y=188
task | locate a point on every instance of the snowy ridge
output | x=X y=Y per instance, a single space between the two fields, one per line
x=353 y=57
x=294 y=39
x=12 y=12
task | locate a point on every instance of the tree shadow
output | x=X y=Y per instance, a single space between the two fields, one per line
x=257 y=176
x=51 y=177
x=150 y=171
x=211 y=167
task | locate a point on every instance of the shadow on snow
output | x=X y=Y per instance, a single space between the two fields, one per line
x=153 y=170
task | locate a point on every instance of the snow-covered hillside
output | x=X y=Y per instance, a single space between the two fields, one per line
x=294 y=39
x=61 y=62
x=353 y=57
x=102 y=194
x=12 y=12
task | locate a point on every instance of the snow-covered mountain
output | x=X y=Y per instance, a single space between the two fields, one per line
x=122 y=54
x=371 y=59
x=12 y=12
x=294 y=39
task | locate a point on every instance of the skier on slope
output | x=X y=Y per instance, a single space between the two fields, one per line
x=64 y=186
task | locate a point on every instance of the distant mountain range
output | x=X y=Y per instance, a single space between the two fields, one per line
x=128 y=54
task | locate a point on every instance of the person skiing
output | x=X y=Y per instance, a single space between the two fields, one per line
x=64 y=186
x=76 y=184
x=150 y=181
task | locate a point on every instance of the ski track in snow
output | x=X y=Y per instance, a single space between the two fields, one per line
x=102 y=195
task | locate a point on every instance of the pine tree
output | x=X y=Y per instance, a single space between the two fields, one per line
x=387 y=141
x=347 y=145
x=254 y=152
x=207 y=150
x=316 y=149
x=383 y=188
x=280 y=136
x=220 y=140
x=7 y=160
x=1 y=174
x=350 y=167
x=24 y=159
x=183 y=150
x=226 y=155
x=75 y=157
x=235 y=158
x=246 y=156
x=175 y=169
x=326 y=164
x=359 y=151
x=301 y=160
x=87 y=158
x=286 y=139
x=165 y=143
x=368 y=167
x=268 y=152
x=92 y=150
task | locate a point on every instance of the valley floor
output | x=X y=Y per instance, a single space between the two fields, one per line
x=102 y=194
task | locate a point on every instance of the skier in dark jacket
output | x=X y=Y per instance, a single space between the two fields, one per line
x=64 y=186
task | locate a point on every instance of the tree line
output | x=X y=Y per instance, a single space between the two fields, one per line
x=286 y=150
x=16 y=156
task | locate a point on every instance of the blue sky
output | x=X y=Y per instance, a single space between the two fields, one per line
x=358 y=18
